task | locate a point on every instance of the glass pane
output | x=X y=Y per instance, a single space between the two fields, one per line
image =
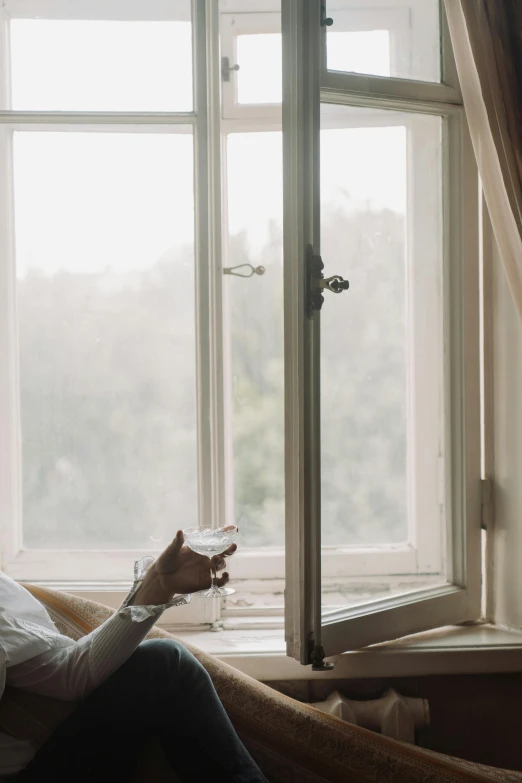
x=111 y=65
x=255 y=306
x=105 y=268
x=381 y=432
x=403 y=41
x=259 y=76
x=361 y=52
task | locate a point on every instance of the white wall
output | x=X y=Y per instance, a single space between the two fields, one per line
x=506 y=547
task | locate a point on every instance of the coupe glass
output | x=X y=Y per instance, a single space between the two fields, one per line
x=211 y=541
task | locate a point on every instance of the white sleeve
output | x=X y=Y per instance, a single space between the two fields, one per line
x=71 y=673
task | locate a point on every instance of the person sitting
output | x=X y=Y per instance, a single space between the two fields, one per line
x=127 y=690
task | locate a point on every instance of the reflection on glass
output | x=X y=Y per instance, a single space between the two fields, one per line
x=362 y=52
x=259 y=75
x=371 y=411
x=255 y=307
x=401 y=41
x=96 y=65
x=104 y=252
x=363 y=337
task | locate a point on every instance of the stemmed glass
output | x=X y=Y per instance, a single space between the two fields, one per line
x=211 y=541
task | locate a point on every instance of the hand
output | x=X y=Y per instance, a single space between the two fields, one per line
x=180 y=570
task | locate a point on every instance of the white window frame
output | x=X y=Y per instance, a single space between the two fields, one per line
x=424 y=555
x=310 y=632
x=407 y=27
x=204 y=122
x=233 y=25
x=263 y=566
x=446 y=91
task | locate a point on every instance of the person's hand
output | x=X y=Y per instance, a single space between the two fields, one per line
x=180 y=570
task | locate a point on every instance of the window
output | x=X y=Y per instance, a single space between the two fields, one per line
x=382 y=425
x=400 y=39
x=157 y=351
x=105 y=286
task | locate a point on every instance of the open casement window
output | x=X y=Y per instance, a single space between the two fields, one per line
x=142 y=371
x=381 y=380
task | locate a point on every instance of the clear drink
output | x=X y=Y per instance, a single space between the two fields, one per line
x=209 y=542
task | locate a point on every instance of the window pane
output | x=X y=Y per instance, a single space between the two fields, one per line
x=256 y=334
x=402 y=41
x=110 y=65
x=104 y=251
x=259 y=76
x=381 y=343
x=362 y=52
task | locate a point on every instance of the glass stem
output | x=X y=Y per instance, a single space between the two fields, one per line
x=213 y=586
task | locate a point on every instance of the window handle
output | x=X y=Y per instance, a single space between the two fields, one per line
x=336 y=284
x=326 y=21
x=254 y=270
x=226 y=68
x=317 y=282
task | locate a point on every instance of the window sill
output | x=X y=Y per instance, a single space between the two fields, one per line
x=473 y=649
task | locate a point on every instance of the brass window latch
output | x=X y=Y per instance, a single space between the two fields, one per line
x=253 y=270
x=317 y=282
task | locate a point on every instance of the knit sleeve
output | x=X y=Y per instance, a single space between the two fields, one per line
x=111 y=644
x=72 y=670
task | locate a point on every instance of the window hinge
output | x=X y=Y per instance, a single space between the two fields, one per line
x=486 y=492
x=316 y=657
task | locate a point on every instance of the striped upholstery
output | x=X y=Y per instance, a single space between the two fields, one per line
x=292 y=742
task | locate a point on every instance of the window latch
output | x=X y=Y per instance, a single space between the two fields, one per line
x=254 y=270
x=326 y=21
x=226 y=68
x=317 y=282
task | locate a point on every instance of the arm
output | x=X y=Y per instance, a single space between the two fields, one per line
x=73 y=670
x=158 y=584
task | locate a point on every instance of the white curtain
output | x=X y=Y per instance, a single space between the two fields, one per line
x=486 y=37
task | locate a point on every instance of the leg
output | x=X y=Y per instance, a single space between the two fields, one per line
x=160 y=691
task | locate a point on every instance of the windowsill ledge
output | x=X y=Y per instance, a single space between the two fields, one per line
x=473 y=649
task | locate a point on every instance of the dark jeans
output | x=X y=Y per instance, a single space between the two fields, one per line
x=160 y=692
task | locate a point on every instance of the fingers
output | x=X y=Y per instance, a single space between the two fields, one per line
x=174 y=547
x=218 y=561
x=223 y=579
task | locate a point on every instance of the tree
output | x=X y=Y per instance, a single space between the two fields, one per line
x=108 y=396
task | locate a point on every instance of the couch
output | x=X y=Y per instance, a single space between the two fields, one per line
x=292 y=742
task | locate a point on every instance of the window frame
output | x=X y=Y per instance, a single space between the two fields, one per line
x=390 y=560
x=404 y=30
x=232 y=25
x=389 y=87
x=309 y=632
x=204 y=120
x=213 y=120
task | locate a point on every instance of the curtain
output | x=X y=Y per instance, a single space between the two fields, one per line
x=487 y=42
